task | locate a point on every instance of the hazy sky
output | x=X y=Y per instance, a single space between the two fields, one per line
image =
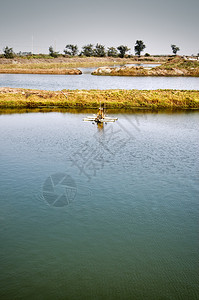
x=109 y=22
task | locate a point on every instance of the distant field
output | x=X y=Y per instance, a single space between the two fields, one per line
x=18 y=65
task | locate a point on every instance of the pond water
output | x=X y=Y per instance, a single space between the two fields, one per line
x=99 y=213
x=88 y=81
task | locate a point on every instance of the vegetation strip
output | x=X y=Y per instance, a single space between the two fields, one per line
x=22 y=65
x=42 y=71
x=152 y=99
x=174 y=67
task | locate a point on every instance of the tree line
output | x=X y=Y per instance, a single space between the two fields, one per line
x=90 y=50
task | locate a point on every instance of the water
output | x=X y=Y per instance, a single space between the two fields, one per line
x=130 y=230
x=143 y=65
x=88 y=81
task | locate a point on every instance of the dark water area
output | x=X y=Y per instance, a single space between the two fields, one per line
x=90 y=212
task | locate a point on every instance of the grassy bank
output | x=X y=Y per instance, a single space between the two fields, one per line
x=59 y=67
x=174 y=67
x=36 y=65
x=153 y=99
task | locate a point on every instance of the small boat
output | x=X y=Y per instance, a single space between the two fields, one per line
x=100 y=117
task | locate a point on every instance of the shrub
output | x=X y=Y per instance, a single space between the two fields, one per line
x=52 y=52
x=8 y=52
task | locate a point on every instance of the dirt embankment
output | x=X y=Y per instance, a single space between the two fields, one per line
x=80 y=60
x=140 y=71
x=173 y=67
x=42 y=71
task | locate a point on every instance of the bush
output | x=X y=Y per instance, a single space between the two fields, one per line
x=52 y=52
x=8 y=52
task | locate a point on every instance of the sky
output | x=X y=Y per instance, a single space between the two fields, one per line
x=37 y=24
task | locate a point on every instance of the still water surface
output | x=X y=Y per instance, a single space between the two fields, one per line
x=130 y=230
x=88 y=81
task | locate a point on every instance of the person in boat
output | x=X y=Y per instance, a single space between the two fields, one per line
x=100 y=114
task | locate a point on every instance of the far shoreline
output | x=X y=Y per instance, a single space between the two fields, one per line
x=66 y=65
x=172 y=67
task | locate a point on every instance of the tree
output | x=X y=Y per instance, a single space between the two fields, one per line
x=112 y=52
x=8 y=52
x=122 y=49
x=175 y=49
x=71 y=50
x=99 y=50
x=52 y=52
x=139 y=47
x=88 y=50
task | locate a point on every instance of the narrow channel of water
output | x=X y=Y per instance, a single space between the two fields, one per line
x=88 y=81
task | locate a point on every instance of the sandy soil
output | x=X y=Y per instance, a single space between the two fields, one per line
x=78 y=59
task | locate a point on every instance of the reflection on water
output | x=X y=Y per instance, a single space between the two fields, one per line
x=100 y=126
x=143 y=65
x=127 y=227
x=85 y=111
